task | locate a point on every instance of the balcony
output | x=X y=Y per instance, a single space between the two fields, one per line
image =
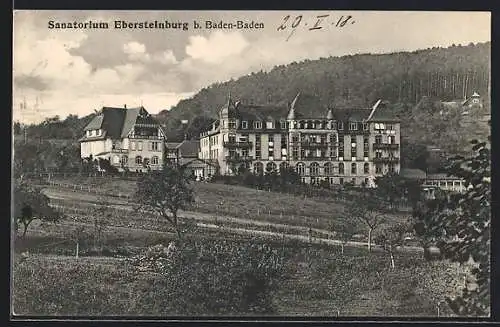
x=146 y=137
x=243 y=145
x=119 y=151
x=309 y=144
x=386 y=160
x=385 y=146
x=238 y=158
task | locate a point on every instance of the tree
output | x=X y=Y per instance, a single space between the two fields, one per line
x=165 y=192
x=390 y=186
x=101 y=217
x=30 y=204
x=368 y=210
x=459 y=224
x=392 y=237
x=344 y=232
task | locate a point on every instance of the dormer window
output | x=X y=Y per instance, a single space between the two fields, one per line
x=270 y=125
x=244 y=124
x=353 y=126
x=283 y=124
x=98 y=132
x=257 y=124
x=365 y=126
x=88 y=133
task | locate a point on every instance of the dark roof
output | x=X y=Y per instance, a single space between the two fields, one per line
x=345 y=114
x=384 y=113
x=117 y=122
x=442 y=176
x=189 y=148
x=253 y=112
x=172 y=145
x=412 y=173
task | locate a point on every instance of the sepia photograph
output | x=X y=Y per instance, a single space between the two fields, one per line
x=243 y=164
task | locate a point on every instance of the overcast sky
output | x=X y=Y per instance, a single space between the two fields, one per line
x=77 y=71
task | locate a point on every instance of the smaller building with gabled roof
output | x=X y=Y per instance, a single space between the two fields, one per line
x=131 y=139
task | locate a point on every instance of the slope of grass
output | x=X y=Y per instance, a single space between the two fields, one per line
x=321 y=282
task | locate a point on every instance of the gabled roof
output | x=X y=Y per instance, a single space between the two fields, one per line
x=189 y=148
x=117 y=122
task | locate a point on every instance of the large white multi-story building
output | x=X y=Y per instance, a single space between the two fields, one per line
x=351 y=145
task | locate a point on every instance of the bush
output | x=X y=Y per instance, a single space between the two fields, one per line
x=217 y=278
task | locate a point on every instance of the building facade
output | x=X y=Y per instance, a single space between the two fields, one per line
x=342 y=146
x=131 y=139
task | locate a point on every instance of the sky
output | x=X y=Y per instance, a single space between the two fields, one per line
x=76 y=71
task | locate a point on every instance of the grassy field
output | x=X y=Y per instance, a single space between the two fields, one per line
x=247 y=203
x=320 y=280
x=321 y=283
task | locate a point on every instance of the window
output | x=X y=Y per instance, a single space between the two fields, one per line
x=392 y=139
x=295 y=153
x=378 y=154
x=283 y=141
x=257 y=124
x=271 y=167
x=113 y=145
x=353 y=181
x=314 y=169
x=154 y=145
x=244 y=124
x=270 y=125
x=328 y=168
x=333 y=138
x=353 y=126
x=132 y=145
x=271 y=154
x=301 y=169
x=341 y=181
x=341 y=168
x=257 y=147
x=232 y=124
x=378 y=169
x=295 y=138
x=366 y=168
x=258 y=168
x=116 y=160
x=322 y=139
x=244 y=153
x=139 y=146
x=138 y=160
x=145 y=162
x=341 y=150
x=124 y=160
x=390 y=127
x=353 y=168
x=353 y=149
x=365 y=126
x=231 y=138
x=283 y=166
x=366 y=181
x=154 y=160
x=391 y=168
x=283 y=124
x=341 y=125
x=378 y=139
x=271 y=139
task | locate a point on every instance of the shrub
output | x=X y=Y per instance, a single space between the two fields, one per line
x=219 y=278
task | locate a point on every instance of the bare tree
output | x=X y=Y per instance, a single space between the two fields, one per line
x=369 y=210
x=344 y=231
x=392 y=237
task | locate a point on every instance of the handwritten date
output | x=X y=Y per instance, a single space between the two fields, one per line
x=320 y=21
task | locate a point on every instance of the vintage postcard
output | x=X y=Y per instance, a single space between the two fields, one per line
x=251 y=164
